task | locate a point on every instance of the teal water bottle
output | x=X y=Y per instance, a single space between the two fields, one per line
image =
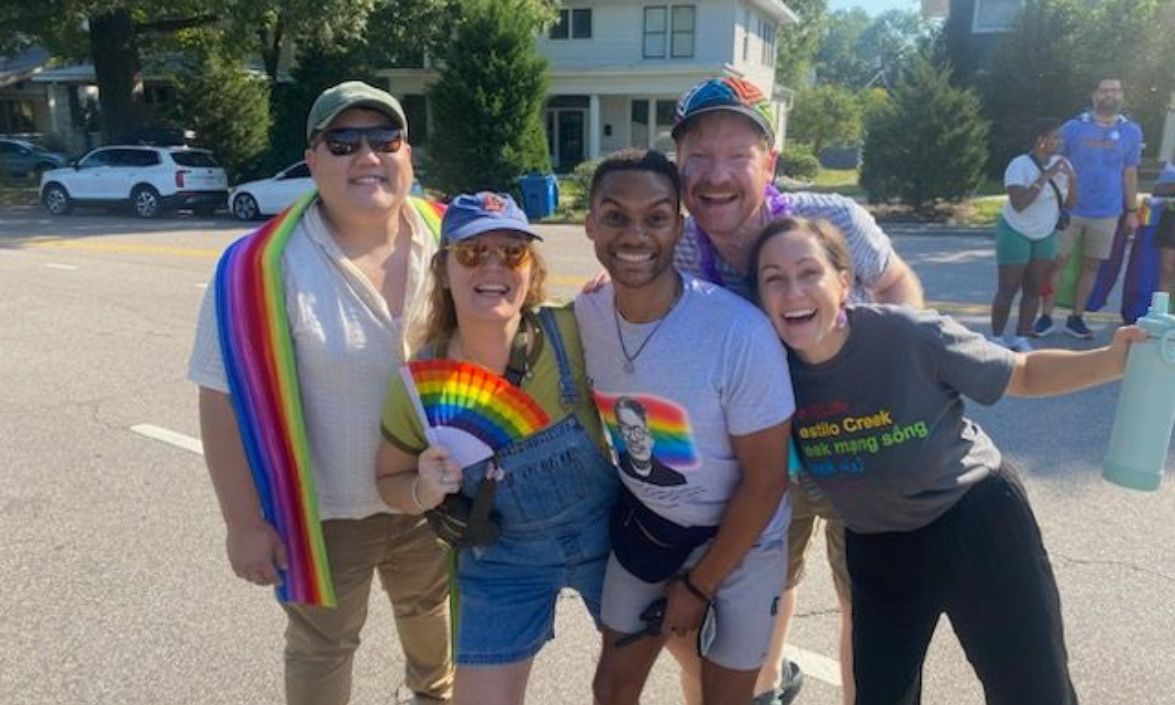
x=1146 y=404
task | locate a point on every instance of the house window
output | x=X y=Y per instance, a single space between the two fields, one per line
x=574 y=23
x=669 y=28
x=746 y=34
x=768 y=54
x=655 y=28
x=995 y=15
x=683 y=31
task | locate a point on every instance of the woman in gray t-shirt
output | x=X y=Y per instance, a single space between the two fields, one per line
x=936 y=521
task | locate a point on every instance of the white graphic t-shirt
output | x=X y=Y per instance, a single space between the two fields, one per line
x=711 y=369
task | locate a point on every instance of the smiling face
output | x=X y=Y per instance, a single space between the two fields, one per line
x=490 y=290
x=802 y=293
x=634 y=224
x=365 y=182
x=1107 y=99
x=726 y=163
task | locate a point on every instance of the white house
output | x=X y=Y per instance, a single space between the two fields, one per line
x=617 y=68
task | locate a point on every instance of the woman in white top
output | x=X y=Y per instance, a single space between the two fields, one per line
x=1041 y=185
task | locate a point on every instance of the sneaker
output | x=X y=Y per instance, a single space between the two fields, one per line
x=1076 y=327
x=1044 y=326
x=789 y=687
x=1018 y=343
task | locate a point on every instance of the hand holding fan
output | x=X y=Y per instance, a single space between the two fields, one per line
x=469 y=410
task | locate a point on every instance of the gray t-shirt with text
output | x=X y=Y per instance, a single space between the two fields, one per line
x=880 y=426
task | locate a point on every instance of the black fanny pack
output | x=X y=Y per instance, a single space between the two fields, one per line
x=647 y=544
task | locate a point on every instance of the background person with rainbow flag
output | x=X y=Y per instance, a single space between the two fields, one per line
x=305 y=322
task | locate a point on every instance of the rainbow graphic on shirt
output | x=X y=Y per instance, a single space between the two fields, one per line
x=668 y=424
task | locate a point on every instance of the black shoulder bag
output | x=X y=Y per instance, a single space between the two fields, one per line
x=1063 y=215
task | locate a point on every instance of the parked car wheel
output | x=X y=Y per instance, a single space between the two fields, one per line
x=56 y=200
x=145 y=201
x=245 y=207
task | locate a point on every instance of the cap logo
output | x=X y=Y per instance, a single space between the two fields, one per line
x=492 y=203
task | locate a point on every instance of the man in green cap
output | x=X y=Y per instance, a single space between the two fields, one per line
x=354 y=270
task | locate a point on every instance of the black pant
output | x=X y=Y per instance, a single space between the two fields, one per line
x=982 y=564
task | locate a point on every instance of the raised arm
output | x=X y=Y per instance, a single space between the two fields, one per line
x=1043 y=373
x=254 y=550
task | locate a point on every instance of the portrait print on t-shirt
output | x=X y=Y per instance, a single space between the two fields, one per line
x=654 y=446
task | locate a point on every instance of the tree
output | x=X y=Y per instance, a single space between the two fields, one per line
x=1057 y=49
x=487 y=103
x=228 y=107
x=837 y=59
x=797 y=43
x=928 y=144
x=109 y=33
x=857 y=50
x=825 y=115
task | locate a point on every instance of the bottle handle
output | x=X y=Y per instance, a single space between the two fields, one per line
x=1167 y=347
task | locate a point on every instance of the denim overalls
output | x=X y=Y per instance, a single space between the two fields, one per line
x=553 y=502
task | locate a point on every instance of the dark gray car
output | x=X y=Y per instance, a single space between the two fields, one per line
x=23 y=160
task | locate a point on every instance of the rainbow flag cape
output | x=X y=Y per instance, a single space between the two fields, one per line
x=259 y=362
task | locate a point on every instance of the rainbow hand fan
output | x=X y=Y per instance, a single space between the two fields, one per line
x=468 y=410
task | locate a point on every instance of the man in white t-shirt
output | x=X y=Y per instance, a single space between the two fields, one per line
x=355 y=275
x=676 y=366
x=1041 y=187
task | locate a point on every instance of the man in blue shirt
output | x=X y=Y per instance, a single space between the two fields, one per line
x=1104 y=148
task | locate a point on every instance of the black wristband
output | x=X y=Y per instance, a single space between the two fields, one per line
x=694 y=589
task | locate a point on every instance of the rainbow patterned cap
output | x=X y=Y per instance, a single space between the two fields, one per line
x=734 y=94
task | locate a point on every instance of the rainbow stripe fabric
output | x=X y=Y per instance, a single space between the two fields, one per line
x=259 y=362
x=668 y=424
x=472 y=399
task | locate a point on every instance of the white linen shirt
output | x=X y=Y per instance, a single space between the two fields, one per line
x=346 y=346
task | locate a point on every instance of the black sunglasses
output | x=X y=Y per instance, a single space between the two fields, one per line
x=346 y=140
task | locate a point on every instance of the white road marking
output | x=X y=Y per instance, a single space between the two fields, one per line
x=169 y=437
x=815 y=665
x=66 y=267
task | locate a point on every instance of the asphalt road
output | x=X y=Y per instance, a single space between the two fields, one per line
x=111 y=546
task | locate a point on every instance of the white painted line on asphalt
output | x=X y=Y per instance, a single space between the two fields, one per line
x=815 y=665
x=169 y=437
x=66 y=267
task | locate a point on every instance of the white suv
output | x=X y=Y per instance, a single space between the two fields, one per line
x=149 y=179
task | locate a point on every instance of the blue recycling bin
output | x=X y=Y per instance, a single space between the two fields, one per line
x=540 y=195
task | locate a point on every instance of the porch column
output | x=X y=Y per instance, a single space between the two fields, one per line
x=652 y=138
x=593 y=126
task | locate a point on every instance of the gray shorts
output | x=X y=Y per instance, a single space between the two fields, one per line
x=744 y=610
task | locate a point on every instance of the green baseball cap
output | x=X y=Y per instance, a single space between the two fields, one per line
x=352 y=94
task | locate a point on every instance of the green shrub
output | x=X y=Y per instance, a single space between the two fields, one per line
x=487 y=103
x=228 y=107
x=930 y=143
x=797 y=161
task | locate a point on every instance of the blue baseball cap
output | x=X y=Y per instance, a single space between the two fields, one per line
x=472 y=214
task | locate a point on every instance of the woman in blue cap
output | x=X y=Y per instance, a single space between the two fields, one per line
x=548 y=495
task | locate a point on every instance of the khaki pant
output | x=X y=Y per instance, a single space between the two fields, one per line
x=412 y=565
x=808 y=515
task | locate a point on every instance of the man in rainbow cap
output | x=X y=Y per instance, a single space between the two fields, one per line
x=351 y=259
x=726 y=151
